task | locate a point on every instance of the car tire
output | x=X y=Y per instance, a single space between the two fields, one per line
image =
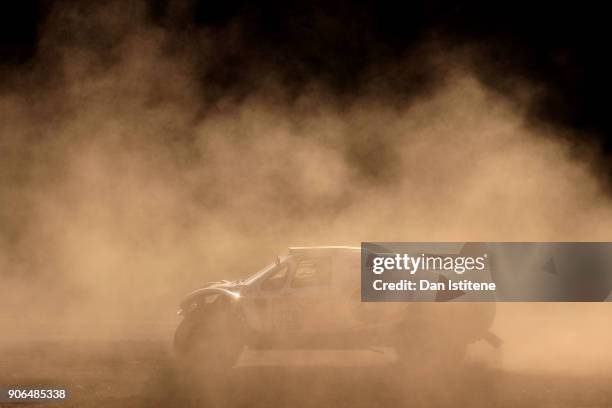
x=209 y=338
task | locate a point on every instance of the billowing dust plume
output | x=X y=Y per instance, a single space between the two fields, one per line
x=122 y=187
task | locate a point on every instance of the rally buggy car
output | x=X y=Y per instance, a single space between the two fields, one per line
x=311 y=299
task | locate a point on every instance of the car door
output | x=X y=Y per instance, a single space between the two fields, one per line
x=304 y=305
x=257 y=298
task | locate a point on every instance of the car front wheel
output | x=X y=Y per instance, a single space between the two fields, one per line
x=209 y=338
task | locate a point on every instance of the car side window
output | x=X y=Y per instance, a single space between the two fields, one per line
x=312 y=272
x=277 y=279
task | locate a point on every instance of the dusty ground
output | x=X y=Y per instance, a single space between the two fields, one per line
x=143 y=374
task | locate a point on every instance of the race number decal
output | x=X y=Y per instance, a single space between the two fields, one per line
x=288 y=314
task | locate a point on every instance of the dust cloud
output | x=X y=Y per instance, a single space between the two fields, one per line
x=123 y=187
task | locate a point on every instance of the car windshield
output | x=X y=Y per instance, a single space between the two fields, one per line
x=263 y=271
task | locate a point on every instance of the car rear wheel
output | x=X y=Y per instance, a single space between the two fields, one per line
x=439 y=333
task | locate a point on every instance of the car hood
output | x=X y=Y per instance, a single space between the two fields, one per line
x=223 y=284
x=224 y=287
